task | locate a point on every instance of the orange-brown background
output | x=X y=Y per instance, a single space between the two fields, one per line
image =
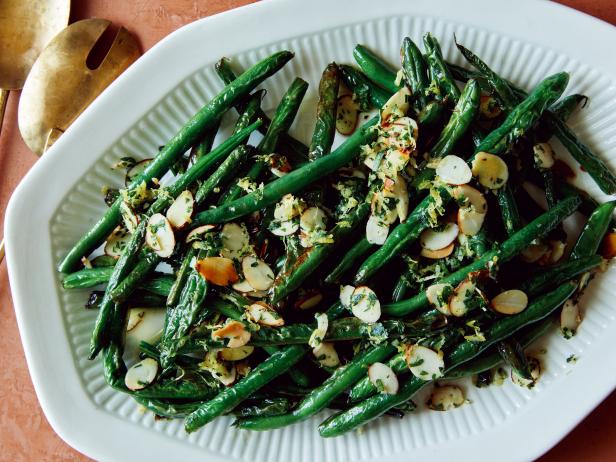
x=25 y=434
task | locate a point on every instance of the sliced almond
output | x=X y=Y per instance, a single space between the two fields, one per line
x=312 y=218
x=543 y=155
x=491 y=171
x=396 y=106
x=454 y=170
x=445 y=398
x=159 y=235
x=510 y=302
x=263 y=314
x=318 y=334
x=129 y=217
x=347 y=114
x=376 y=231
x=383 y=378
x=141 y=374
x=381 y=206
x=116 y=242
x=345 y=295
x=242 y=368
x=423 y=362
x=220 y=370
x=557 y=250
x=534 y=252
x=219 y=271
x=258 y=273
x=470 y=222
x=438 y=296
x=235 y=332
x=135 y=316
x=535 y=373
x=199 y=233
x=243 y=286
x=236 y=354
x=309 y=300
x=570 y=318
x=438 y=254
x=136 y=170
x=235 y=240
x=439 y=238
x=395 y=162
x=284 y=228
x=489 y=107
x=400 y=135
x=365 y=305
x=289 y=207
x=470 y=198
x=402 y=198
x=457 y=302
x=608 y=246
x=326 y=354
x=279 y=165
x=180 y=212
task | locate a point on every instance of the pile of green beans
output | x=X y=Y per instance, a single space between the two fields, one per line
x=252 y=243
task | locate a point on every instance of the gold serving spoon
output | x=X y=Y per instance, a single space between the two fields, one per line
x=26 y=26
x=61 y=85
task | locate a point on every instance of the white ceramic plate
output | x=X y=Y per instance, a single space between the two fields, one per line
x=60 y=198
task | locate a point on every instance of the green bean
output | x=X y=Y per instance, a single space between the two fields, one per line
x=415 y=71
x=263 y=407
x=180 y=277
x=325 y=127
x=166 y=409
x=514 y=356
x=292 y=149
x=225 y=171
x=400 y=238
x=348 y=260
x=144 y=265
x=323 y=395
x=230 y=397
x=593 y=231
x=438 y=69
x=376 y=405
x=503 y=253
x=294 y=181
x=182 y=141
x=564 y=108
x=309 y=261
x=103 y=261
x=204 y=146
x=378 y=70
x=509 y=210
x=549 y=278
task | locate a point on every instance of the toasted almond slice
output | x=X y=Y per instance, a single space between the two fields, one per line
x=454 y=170
x=400 y=135
x=284 y=228
x=470 y=222
x=396 y=161
x=489 y=107
x=457 y=302
x=535 y=373
x=235 y=240
x=438 y=296
x=220 y=370
x=159 y=235
x=435 y=239
x=445 y=398
x=365 y=305
x=534 y=252
x=242 y=368
x=347 y=114
x=129 y=217
x=309 y=300
x=376 y=231
x=396 y=106
x=319 y=333
x=258 y=274
x=312 y=219
x=326 y=354
x=236 y=354
x=136 y=170
x=199 y=233
x=543 y=155
x=265 y=315
x=243 y=286
x=141 y=374
x=438 y=254
x=135 y=316
x=510 y=302
x=423 y=362
x=181 y=210
x=381 y=208
x=470 y=198
x=402 y=198
x=289 y=207
x=557 y=250
x=219 y=271
x=570 y=318
x=383 y=378
x=235 y=332
x=116 y=242
x=279 y=165
x=345 y=295
x=491 y=171
x=608 y=246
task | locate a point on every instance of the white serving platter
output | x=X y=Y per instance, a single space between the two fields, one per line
x=60 y=198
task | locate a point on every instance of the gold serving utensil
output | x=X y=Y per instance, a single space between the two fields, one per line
x=61 y=85
x=26 y=26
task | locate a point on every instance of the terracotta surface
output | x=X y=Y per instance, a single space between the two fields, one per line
x=25 y=434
